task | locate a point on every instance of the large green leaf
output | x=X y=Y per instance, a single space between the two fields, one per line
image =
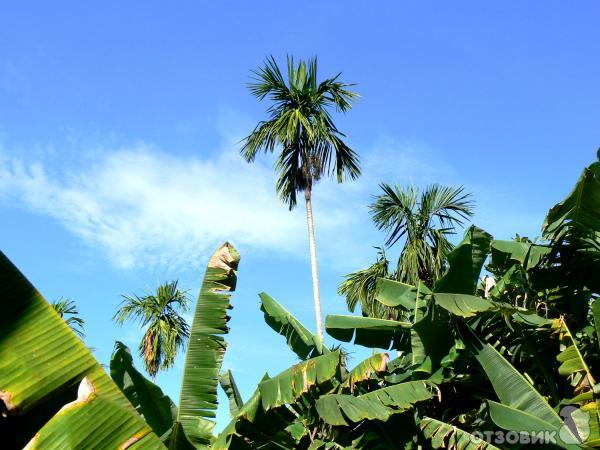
x=302 y=342
x=444 y=435
x=42 y=363
x=395 y=293
x=108 y=424
x=525 y=253
x=511 y=387
x=580 y=209
x=339 y=409
x=464 y=305
x=292 y=383
x=527 y=422
x=206 y=348
x=366 y=331
x=231 y=390
x=148 y=399
x=466 y=262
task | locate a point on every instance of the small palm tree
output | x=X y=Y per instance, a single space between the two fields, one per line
x=301 y=127
x=425 y=220
x=67 y=310
x=166 y=331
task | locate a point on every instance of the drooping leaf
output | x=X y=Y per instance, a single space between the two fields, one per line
x=466 y=262
x=444 y=435
x=339 y=409
x=463 y=305
x=42 y=363
x=148 y=399
x=233 y=394
x=292 y=383
x=366 y=331
x=395 y=293
x=302 y=342
x=206 y=347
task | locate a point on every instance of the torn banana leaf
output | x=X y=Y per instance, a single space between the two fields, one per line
x=42 y=363
x=444 y=435
x=292 y=383
x=341 y=409
x=206 y=347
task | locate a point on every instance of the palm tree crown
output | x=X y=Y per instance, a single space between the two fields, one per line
x=425 y=220
x=166 y=330
x=301 y=124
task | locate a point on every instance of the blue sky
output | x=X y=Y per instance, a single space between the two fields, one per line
x=119 y=126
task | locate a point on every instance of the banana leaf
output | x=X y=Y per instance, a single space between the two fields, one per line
x=302 y=342
x=444 y=435
x=206 y=347
x=394 y=293
x=519 y=399
x=341 y=409
x=42 y=365
x=366 y=331
x=158 y=409
x=466 y=262
x=231 y=390
x=292 y=383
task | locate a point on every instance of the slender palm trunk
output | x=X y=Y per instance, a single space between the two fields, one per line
x=313 y=262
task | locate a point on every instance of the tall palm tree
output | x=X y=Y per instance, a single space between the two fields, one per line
x=67 y=310
x=301 y=127
x=166 y=330
x=425 y=220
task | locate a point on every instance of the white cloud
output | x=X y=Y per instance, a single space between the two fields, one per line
x=145 y=207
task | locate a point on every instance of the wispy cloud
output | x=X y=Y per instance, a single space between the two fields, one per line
x=145 y=207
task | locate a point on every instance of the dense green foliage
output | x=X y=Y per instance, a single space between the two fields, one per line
x=424 y=221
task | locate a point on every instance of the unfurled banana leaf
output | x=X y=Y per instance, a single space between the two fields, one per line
x=519 y=399
x=444 y=435
x=394 y=293
x=206 y=348
x=302 y=342
x=42 y=363
x=233 y=394
x=340 y=409
x=466 y=262
x=292 y=383
x=366 y=331
x=148 y=399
